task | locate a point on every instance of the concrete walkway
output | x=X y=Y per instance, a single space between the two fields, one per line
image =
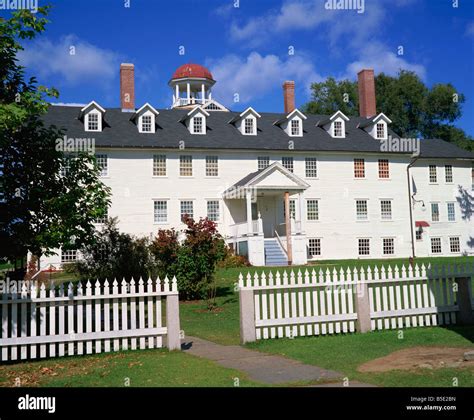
x=261 y=367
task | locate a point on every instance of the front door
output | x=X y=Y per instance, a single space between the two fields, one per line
x=267 y=209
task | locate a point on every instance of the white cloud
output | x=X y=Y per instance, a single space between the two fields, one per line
x=89 y=63
x=376 y=56
x=254 y=76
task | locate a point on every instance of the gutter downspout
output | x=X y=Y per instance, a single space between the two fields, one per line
x=410 y=205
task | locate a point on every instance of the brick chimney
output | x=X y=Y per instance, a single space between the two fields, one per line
x=367 y=105
x=289 y=96
x=127 y=87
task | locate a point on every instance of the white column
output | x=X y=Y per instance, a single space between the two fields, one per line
x=177 y=91
x=209 y=94
x=203 y=93
x=300 y=210
x=188 y=87
x=248 y=198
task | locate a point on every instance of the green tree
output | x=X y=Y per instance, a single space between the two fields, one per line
x=40 y=208
x=415 y=109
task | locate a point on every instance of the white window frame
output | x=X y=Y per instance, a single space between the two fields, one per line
x=359 y=212
x=141 y=123
x=212 y=166
x=316 y=246
x=215 y=210
x=389 y=247
x=299 y=132
x=102 y=161
x=451 y=210
x=362 y=161
x=433 y=213
x=260 y=160
x=156 y=211
x=290 y=162
x=448 y=174
x=432 y=244
x=384 y=213
x=253 y=127
x=189 y=211
x=68 y=256
x=314 y=211
x=360 y=246
x=433 y=174
x=311 y=167
x=203 y=124
x=341 y=129
x=458 y=244
x=384 y=130
x=87 y=120
x=183 y=161
x=380 y=169
x=159 y=164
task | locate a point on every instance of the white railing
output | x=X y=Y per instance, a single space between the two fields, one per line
x=282 y=243
x=37 y=322
x=328 y=302
x=239 y=230
x=190 y=101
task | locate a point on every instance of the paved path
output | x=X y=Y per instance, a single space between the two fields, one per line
x=261 y=367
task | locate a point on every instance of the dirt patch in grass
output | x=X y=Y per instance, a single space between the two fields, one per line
x=419 y=358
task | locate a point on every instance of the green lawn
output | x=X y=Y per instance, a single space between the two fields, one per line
x=143 y=368
x=345 y=353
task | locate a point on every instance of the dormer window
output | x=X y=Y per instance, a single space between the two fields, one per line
x=338 y=129
x=92 y=115
x=295 y=127
x=145 y=119
x=249 y=126
x=380 y=130
x=197 y=125
x=335 y=125
x=146 y=124
x=92 y=121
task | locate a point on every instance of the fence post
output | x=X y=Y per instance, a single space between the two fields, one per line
x=465 y=314
x=172 y=318
x=362 y=307
x=247 y=316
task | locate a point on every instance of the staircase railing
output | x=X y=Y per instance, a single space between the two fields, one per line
x=281 y=243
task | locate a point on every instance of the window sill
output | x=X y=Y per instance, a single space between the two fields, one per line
x=384 y=179
x=160 y=176
x=359 y=178
x=186 y=176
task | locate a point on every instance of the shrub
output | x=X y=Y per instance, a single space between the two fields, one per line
x=233 y=261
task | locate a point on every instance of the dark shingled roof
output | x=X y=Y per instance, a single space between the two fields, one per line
x=119 y=131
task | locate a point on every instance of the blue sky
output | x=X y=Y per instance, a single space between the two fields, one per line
x=247 y=47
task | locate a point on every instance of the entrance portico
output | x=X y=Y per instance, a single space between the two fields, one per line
x=268 y=204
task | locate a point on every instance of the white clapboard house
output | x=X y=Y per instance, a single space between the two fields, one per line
x=283 y=188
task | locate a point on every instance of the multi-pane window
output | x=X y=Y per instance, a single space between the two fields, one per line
x=287 y=162
x=292 y=208
x=364 y=246
x=436 y=245
x=160 y=211
x=451 y=212
x=197 y=125
x=295 y=127
x=314 y=246
x=433 y=174
x=386 y=209
x=213 y=210
x=337 y=128
x=68 y=256
x=384 y=170
x=359 y=168
x=93 y=122
x=448 y=173
x=388 y=246
x=419 y=235
x=380 y=130
x=434 y=212
x=186 y=165
x=212 y=166
x=454 y=244
x=263 y=162
x=102 y=164
x=146 y=124
x=103 y=218
x=65 y=165
x=249 y=125
x=311 y=167
x=312 y=209
x=361 y=209
x=187 y=208
x=159 y=165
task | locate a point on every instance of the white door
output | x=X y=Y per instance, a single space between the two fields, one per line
x=267 y=209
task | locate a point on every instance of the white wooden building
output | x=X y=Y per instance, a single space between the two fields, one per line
x=350 y=186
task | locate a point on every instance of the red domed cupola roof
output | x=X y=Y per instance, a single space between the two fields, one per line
x=192 y=70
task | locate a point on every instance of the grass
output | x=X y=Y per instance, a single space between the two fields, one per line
x=344 y=353
x=144 y=368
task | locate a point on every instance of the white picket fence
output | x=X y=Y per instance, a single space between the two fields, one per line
x=51 y=322
x=330 y=302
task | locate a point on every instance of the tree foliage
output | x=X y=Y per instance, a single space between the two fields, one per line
x=40 y=209
x=415 y=109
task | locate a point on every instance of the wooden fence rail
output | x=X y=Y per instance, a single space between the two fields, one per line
x=277 y=305
x=75 y=320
